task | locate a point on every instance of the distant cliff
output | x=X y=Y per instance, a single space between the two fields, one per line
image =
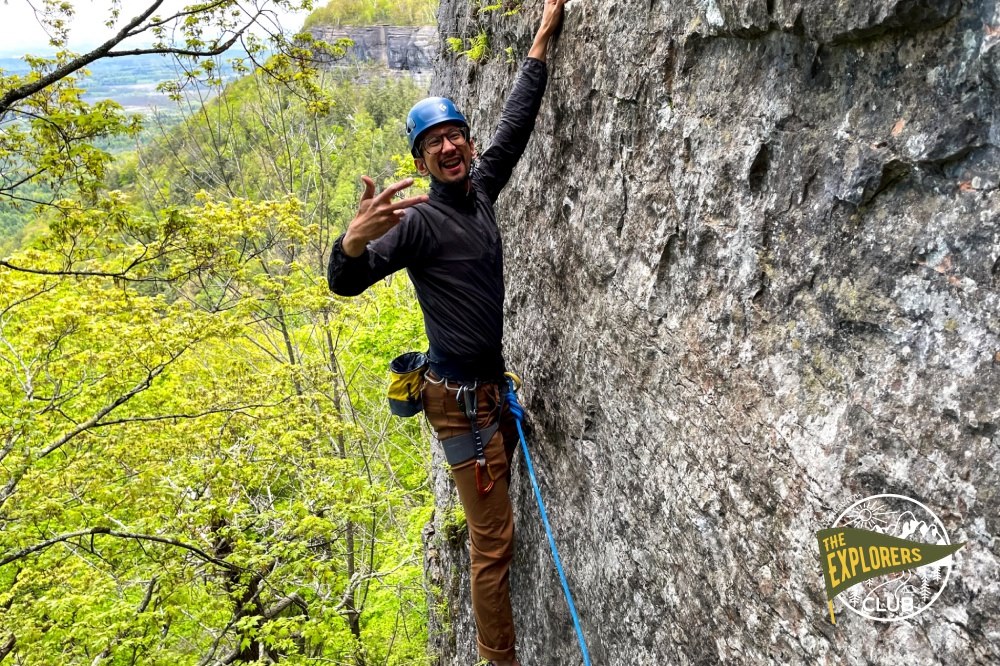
x=402 y=48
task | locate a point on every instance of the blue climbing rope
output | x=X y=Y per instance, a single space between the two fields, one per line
x=518 y=411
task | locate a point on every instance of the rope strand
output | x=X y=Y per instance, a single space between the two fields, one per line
x=518 y=411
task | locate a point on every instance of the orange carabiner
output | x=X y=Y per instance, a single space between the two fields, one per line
x=479 y=481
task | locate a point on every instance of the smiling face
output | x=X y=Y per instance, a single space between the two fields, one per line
x=451 y=165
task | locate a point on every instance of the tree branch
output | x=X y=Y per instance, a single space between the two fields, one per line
x=277 y=608
x=7 y=647
x=17 y=94
x=7 y=193
x=116 y=403
x=171 y=50
x=14 y=186
x=121 y=275
x=189 y=12
x=152 y=374
x=106 y=50
x=112 y=644
x=44 y=290
x=198 y=415
x=93 y=531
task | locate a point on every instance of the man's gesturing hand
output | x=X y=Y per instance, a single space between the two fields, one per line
x=377 y=214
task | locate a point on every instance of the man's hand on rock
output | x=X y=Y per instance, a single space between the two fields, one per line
x=551 y=17
x=551 y=20
x=377 y=214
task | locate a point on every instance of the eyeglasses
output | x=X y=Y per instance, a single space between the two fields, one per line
x=432 y=145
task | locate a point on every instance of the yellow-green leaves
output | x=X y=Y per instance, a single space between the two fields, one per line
x=195 y=455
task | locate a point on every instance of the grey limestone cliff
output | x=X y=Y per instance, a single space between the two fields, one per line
x=404 y=48
x=753 y=259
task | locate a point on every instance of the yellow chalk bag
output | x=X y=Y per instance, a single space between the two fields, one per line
x=406 y=375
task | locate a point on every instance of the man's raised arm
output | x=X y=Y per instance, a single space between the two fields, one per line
x=517 y=121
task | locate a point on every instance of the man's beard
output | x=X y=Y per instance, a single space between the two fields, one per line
x=473 y=163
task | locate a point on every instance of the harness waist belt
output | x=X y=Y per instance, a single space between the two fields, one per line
x=466 y=369
x=461 y=448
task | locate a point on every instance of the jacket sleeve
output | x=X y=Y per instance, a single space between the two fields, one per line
x=404 y=245
x=516 y=124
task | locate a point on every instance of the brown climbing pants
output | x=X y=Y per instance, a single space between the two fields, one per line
x=489 y=517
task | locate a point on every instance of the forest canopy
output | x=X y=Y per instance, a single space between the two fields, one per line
x=373 y=12
x=196 y=464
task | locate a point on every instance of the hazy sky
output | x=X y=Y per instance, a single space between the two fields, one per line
x=20 y=32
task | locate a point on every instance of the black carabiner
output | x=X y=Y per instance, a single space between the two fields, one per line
x=468 y=400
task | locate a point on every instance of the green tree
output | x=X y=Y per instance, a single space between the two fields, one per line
x=374 y=12
x=49 y=131
x=196 y=465
x=211 y=448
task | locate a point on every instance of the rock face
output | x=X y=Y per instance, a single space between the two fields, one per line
x=404 y=48
x=753 y=257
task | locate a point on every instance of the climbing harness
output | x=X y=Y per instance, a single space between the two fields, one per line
x=470 y=445
x=514 y=383
x=407 y=374
x=468 y=403
x=461 y=448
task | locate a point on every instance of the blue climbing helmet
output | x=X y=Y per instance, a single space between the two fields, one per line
x=427 y=113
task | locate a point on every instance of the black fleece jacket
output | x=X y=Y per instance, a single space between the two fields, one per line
x=452 y=250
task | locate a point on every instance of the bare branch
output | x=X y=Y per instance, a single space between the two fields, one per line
x=277 y=608
x=41 y=271
x=198 y=415
x=15 y=197
x=149 y=596
x=15 y=185
x=357 y=580
x=181 y=14
x=17 y=94
x=170 y=50
x=13 y=557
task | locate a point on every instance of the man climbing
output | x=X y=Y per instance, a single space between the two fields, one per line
x=450 y=245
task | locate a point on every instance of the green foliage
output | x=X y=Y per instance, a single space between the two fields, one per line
x=479 y=46
x=196 y=461
x=55 y=140
x=17 y=214
x=50 y=139
x=373 y=12
x=509 y=7
x=454 y=526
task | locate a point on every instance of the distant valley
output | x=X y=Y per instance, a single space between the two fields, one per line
x=131 y=81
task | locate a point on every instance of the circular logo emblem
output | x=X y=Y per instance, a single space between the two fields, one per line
x=900 y=595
